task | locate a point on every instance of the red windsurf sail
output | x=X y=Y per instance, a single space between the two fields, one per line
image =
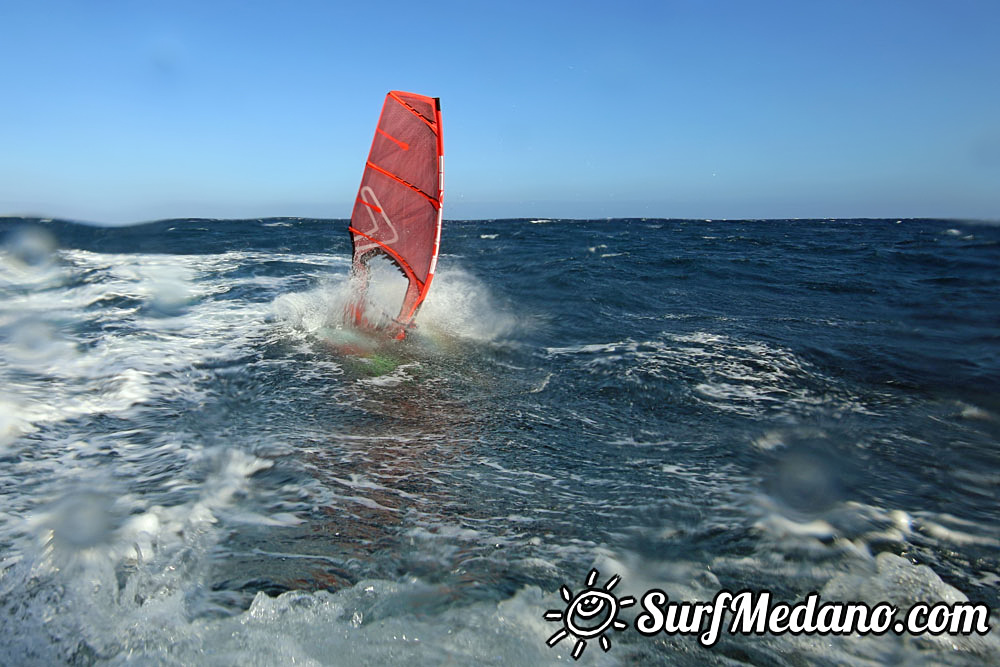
x=397 y=213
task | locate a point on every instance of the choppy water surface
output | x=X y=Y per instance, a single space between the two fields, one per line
x=196 y=470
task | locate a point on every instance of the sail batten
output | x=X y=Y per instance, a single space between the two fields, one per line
x=398 y=212
x=420 y=192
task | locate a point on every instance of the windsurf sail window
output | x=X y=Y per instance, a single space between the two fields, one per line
x=397 y=213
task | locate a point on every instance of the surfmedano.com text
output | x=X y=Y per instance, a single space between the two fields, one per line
x=753 y=613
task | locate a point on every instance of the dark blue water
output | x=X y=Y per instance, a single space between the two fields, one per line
x=196 y=471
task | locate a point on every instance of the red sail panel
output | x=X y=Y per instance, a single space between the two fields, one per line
x=397 y=212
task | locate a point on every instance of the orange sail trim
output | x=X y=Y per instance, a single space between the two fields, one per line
x=397 y=213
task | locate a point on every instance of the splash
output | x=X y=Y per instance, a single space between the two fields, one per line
x=460 y=306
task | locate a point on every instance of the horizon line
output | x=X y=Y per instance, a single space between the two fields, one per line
x=539 y=219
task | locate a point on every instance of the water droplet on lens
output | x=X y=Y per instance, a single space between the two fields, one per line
x=30 y=247
x=807 y=478
x=31 y=340
x=170 y=299
x=83 y=521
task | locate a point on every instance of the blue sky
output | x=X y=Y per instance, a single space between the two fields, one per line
x=129 y=111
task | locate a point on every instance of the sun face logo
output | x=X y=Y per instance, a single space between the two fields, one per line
x=589 y=614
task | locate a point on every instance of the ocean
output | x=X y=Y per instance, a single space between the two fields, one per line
x=194 y=470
